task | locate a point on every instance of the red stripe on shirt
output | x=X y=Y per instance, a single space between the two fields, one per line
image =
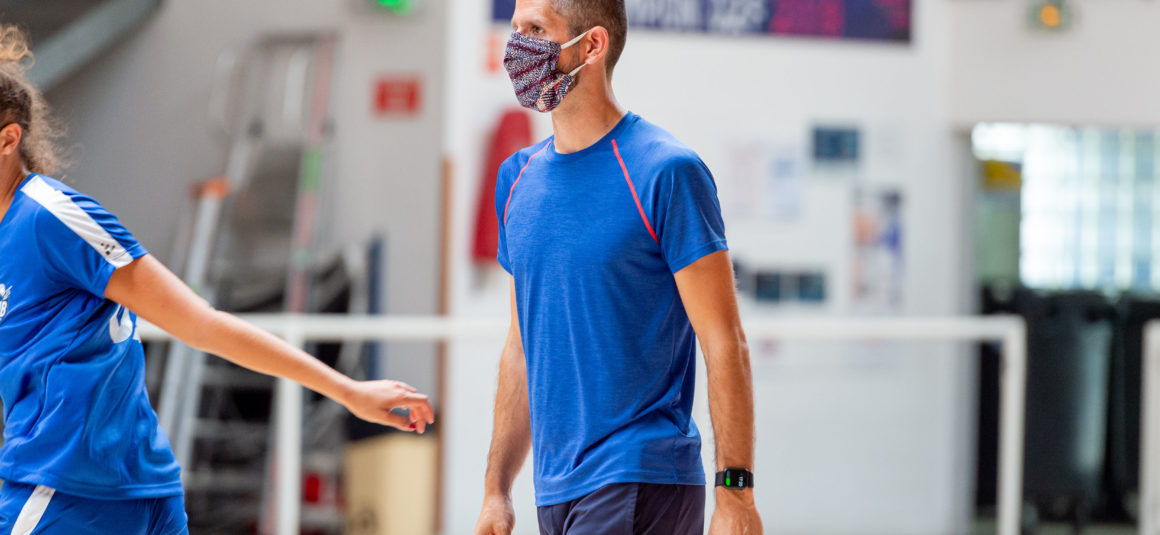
x=518 y=177
x=632 y=188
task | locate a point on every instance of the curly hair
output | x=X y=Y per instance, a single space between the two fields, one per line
x=22 y=104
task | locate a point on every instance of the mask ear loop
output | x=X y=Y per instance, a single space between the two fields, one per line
x=575 y=39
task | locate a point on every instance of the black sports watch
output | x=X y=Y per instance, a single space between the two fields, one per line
x=735 y=479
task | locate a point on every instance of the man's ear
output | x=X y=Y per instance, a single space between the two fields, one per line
x=596 y=46
x=10 y=139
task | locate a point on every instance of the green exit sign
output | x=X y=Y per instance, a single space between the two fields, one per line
x=398 y=7
x=1053 y=15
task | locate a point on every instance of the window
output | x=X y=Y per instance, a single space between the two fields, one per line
x=1089 y=204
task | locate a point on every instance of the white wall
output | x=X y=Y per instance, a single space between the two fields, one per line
x=138 y=123
x=1098 y=72
x=842 y=448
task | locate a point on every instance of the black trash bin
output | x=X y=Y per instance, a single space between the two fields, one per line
x=1069 y=353
x=1123 y=481
x=993 y=301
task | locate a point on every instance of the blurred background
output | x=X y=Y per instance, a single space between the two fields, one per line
x=874 y=158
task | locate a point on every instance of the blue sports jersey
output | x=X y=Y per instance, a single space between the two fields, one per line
x=592 y=239
x=72 y=370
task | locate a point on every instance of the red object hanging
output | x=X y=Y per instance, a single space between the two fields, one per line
x=512 y=133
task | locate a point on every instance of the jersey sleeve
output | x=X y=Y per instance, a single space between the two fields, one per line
x=82 y=244
x=689 y=223
x=503 y=190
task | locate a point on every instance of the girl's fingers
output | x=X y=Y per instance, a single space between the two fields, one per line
x=398 y=421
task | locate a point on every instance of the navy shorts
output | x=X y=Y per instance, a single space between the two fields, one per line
x=629 y=509
x=35 y=510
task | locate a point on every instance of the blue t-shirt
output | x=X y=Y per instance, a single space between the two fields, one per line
x=72 y=370
x=592 y=239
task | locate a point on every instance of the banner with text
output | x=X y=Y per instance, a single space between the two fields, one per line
x=881 y=20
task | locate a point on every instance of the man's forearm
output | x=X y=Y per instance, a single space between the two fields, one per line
x=509 y=450
x=512 y=436
x=731 y=402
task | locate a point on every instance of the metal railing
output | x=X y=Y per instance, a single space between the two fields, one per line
x=1009 y=332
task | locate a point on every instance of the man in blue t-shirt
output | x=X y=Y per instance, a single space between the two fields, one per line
x=613 y=236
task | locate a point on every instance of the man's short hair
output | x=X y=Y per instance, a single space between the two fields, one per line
x=585 y=14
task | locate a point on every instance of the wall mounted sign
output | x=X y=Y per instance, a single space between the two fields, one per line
x=878 y=268
x=398 y=95
x=837 y=145
x=877 y=20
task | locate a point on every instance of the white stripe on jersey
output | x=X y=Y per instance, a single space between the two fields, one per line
x=33 y=510
x=76 y=219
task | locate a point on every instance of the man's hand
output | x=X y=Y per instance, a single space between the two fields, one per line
x=373 y=401
x=735 y=514
x=497 y=517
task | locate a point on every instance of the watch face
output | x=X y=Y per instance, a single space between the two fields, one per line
x=736 y=479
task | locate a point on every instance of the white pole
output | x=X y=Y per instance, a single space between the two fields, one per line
x=1012 y=407
x=1150 y=433
x=188 y=407
x=899 y=328
x=336 y=328
x=288 y=446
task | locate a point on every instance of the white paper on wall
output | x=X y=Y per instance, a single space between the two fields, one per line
x=763 y=178
x=878 y=262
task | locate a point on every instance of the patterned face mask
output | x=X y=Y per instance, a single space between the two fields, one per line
x=531 y=63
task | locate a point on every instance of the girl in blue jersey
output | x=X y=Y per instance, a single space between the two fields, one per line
x=83 y=453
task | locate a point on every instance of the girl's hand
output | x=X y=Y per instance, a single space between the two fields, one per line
x=373 y=401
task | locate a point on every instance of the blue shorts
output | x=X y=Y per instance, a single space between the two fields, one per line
x=629 y=509
x=34 y=510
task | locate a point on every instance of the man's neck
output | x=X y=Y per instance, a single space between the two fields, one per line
x=583 y=123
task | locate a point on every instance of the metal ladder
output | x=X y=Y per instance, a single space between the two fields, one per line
x=253 y=236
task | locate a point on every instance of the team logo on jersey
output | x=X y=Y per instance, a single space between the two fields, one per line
x=107 y=248
x=5 y=293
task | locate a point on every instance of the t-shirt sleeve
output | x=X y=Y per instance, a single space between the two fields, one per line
x=503 y=189
x=82 y=244
x=689 y=224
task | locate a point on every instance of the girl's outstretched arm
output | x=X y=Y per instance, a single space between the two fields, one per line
x=153 y=292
